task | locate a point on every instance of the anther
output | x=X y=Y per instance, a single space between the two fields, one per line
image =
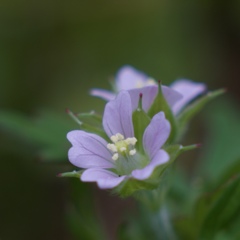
x=112 y=147
x=131 y=141
x=132 y=152
x=119 y=136
x=114 y=138
x=123 y=149
x=115 y=156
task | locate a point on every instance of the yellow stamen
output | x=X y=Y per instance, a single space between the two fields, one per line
x=132 y=152
x=121 y=146
x=115 y=156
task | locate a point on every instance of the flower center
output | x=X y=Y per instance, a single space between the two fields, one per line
x=121 y=146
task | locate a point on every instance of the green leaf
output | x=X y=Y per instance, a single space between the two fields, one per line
x=81 y=216
x=191 y=110
x=221 y=148
x=231 y=171
x=47 y=132
x=223 y=211
x=145 y=224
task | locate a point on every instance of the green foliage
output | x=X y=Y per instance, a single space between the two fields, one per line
x=221 y=150
x=215 y=208
x=190 y=111
x=148 y=225
x=223 y=212
x=47 y=133
x=81 y=216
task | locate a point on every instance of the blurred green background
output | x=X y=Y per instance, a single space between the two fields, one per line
x=53 y=52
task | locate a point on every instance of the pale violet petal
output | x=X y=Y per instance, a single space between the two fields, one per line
x=88 y=150
x=104 y=178
x=148 y=95
x=171 y=96
x=156 y=134
x=117 y=117
x=101 y=93
x=189 y=90
x=128 y=77
x=160 y=158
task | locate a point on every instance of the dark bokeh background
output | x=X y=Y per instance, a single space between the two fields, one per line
x=53 y=52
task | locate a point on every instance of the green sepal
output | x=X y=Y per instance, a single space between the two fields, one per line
x=175 y=150
x=140 y=121
x=76 y=174
x=131 y=186
x=91 y=118
x=160 y=105
x=190 y=111
x=89 y=122
x=36 y=133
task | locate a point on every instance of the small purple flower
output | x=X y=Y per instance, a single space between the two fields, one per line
x=179 y=94
x=110 y=163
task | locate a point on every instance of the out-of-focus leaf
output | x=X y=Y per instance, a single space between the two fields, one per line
x=181 y=200
x=222 y=140
x=230 y=172
x=148 y=225
x=191 y=110
x=224 y=211
x=46 y=132
x=213 y=213
x=81 y=217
